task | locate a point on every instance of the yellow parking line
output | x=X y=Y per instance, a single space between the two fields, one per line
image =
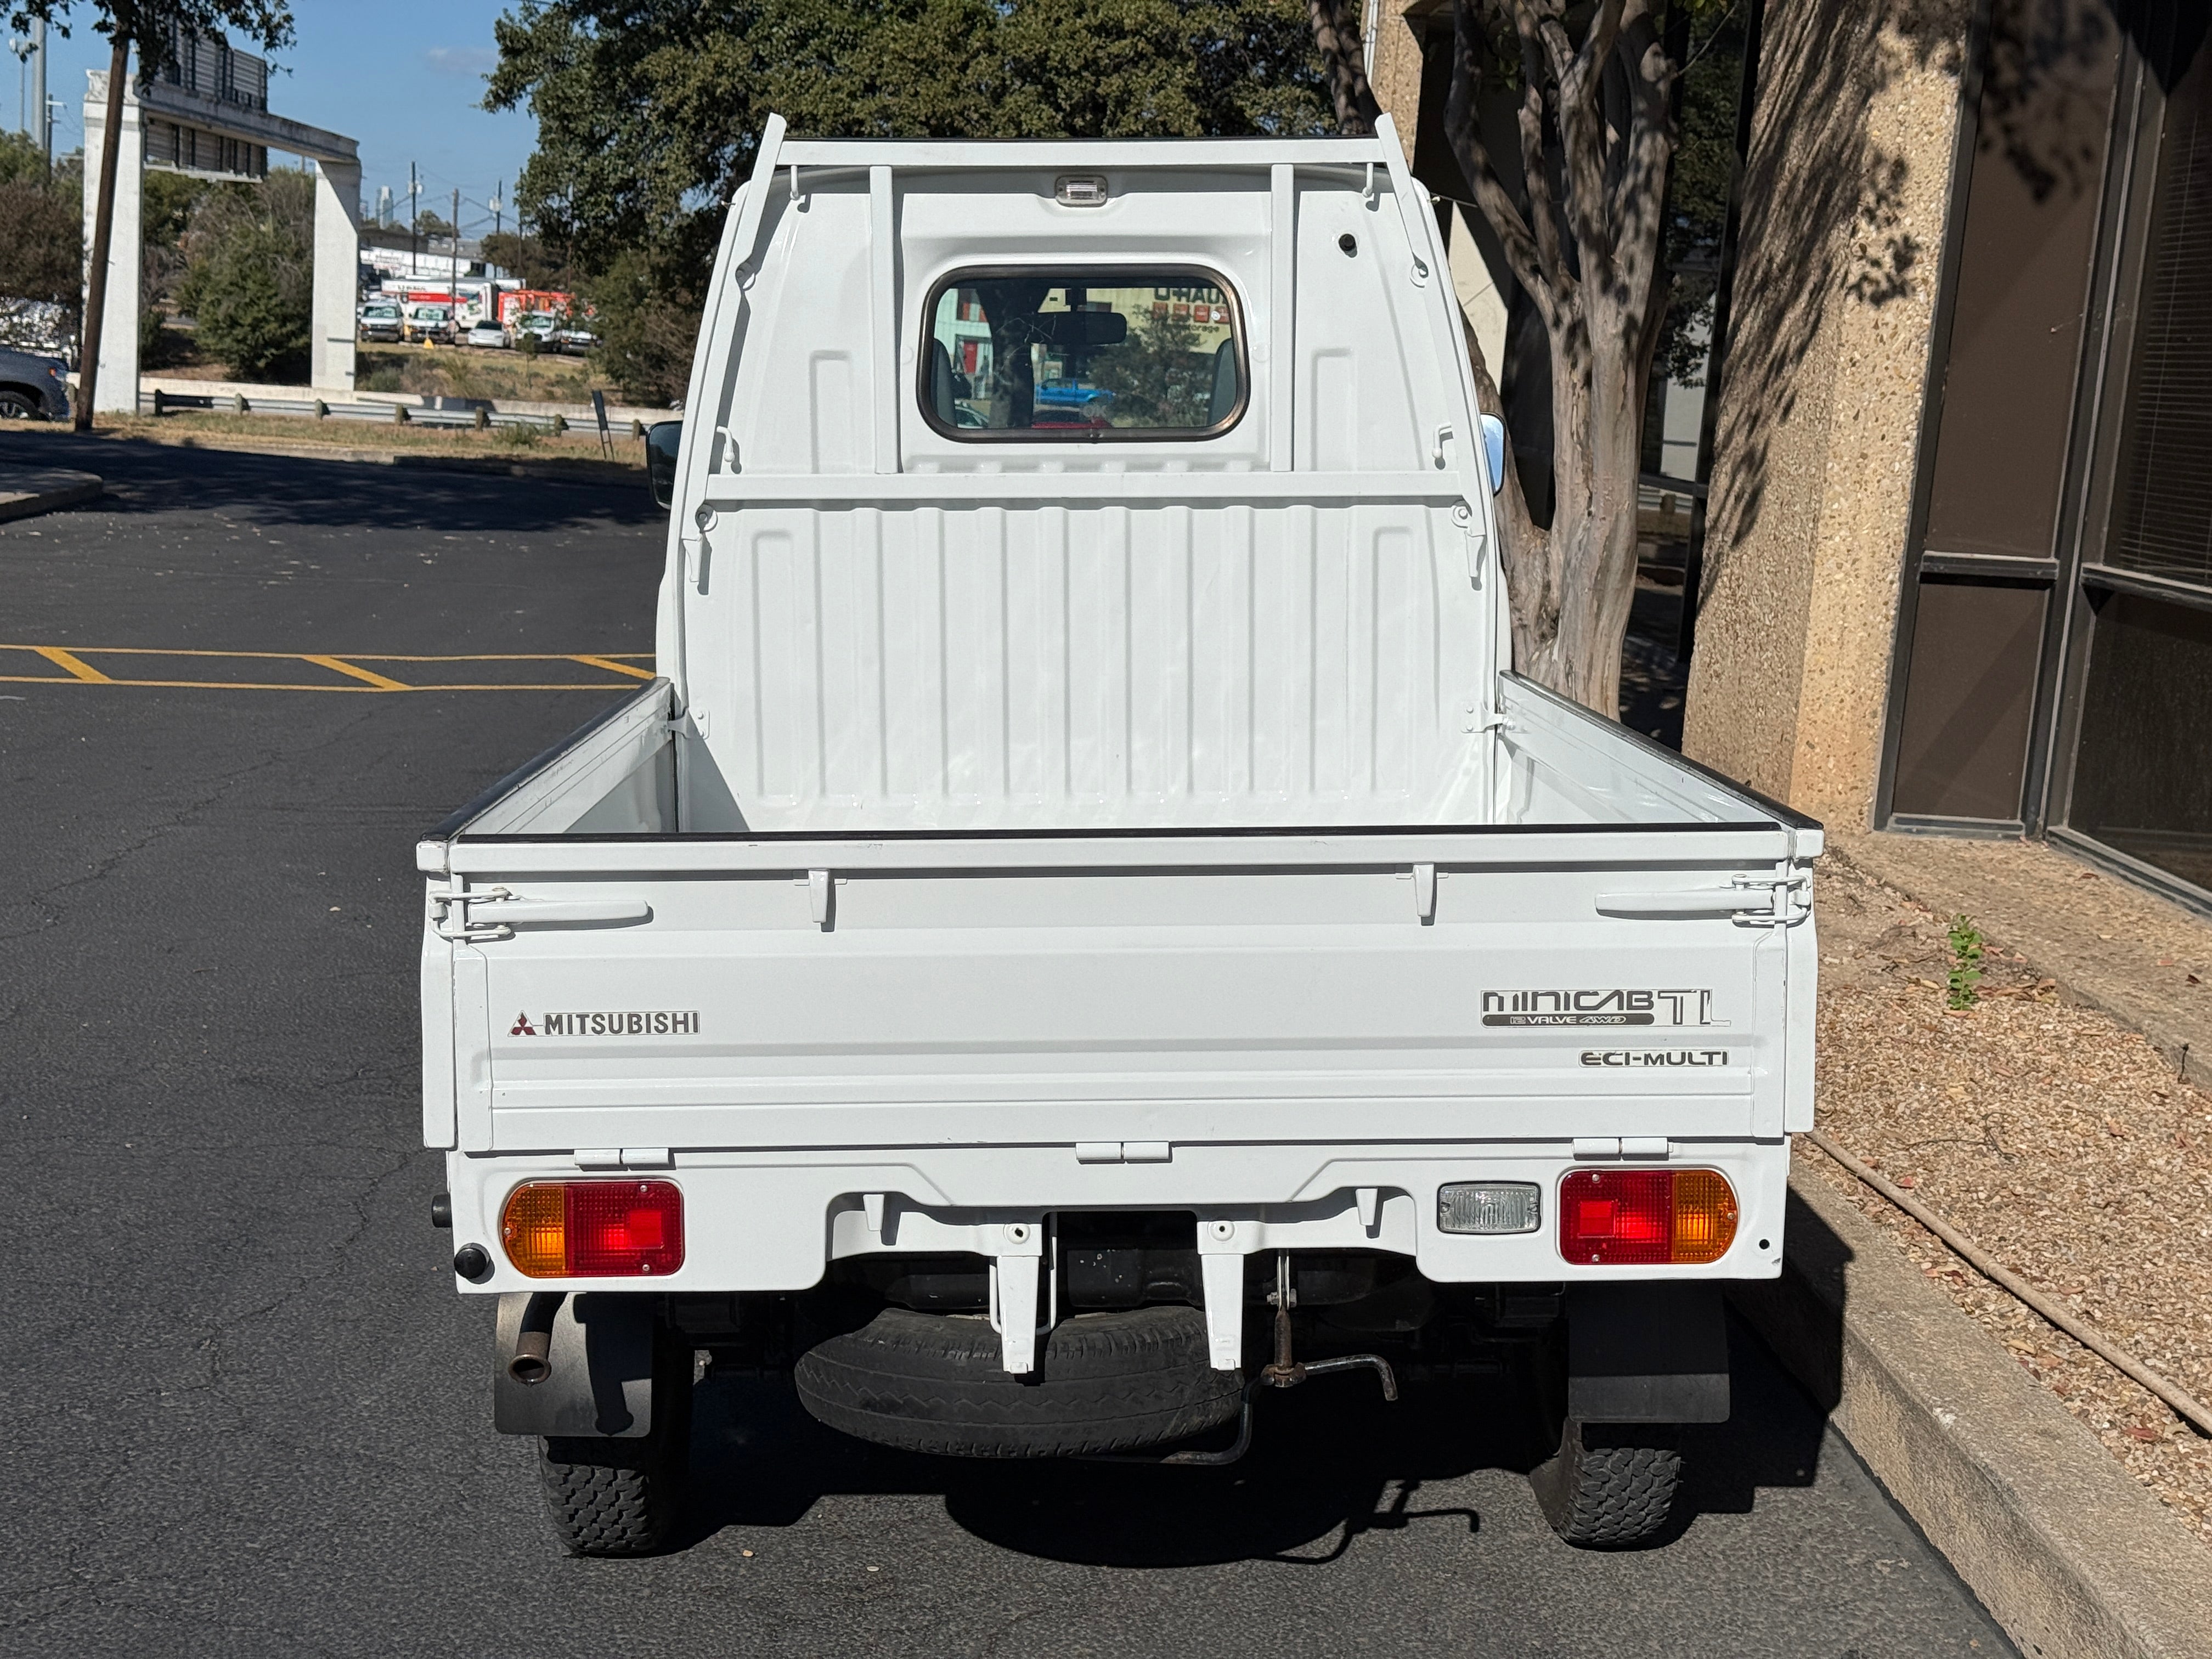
x=612 y=666
x=339 y=664
x=295 y=685
x=350 y=656
x=77 y=669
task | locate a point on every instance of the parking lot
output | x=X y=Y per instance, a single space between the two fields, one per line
x=250 y=1416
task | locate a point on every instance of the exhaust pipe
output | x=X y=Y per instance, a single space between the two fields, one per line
x=533 y=1359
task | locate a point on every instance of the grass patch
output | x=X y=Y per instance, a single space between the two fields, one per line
x=461 y=372
x=389 y=438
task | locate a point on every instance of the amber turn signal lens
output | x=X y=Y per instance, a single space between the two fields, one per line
x=1704 y=1215
x=1646 y=1218
x=532 y=1231
x=593 y=1229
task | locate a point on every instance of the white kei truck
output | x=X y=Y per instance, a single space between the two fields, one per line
x=1087 y=925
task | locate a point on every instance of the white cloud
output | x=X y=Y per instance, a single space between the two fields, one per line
x=461 y=60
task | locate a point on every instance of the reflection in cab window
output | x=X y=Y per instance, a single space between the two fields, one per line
x=1083 y=355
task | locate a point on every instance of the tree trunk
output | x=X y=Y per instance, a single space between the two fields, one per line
x=103 y=234
x=1357 y=110
x=1595 y=134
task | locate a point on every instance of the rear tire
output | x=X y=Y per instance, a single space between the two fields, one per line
x=1104 y=1382
x=616 y=1498
x=1610 y=1485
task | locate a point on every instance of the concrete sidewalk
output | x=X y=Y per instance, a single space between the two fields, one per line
x=28 y=491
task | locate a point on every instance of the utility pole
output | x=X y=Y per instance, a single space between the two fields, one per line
x=46 y=132
x=493 y=204
x=454 y=287
x=414 y=243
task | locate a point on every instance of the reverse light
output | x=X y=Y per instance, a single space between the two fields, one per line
x=1488 y=1206
x=593 y=1229
x=1645 y=1218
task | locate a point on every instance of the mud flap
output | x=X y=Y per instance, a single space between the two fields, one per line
x=1647 y=1353
x=600 y=1385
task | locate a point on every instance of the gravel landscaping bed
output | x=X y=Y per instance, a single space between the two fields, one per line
x=2057 y=1139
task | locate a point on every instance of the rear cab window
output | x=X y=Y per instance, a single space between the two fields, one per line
x=1062 y=353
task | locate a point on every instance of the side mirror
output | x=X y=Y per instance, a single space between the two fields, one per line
x=663 y=439
x=1493 y=451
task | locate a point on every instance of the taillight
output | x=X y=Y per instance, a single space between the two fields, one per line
x=593 y=1229
x=1641 y=1218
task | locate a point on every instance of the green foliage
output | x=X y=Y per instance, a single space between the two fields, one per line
x=646 y=324
x=21 y=161
x=167 y=205
x=146 y=23
x=42 y=249
x=1161 y=375
x=526 y=257
x=649 y=111
x=250 y=280
x=1967 y=945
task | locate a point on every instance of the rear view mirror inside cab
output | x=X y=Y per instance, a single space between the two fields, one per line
x=663 y=439
x=1045 y=354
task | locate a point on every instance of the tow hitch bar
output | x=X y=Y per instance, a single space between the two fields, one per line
x=1287 y=1373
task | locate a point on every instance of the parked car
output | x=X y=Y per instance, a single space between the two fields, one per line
x=487 y=335
x=33 y=387
x=539 y=324
x=574 y=341
x=430 y=323
x=1061 y=947
x=380 y=321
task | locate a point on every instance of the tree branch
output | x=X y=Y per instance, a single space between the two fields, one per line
x=1581 y=132
x=1463 y=132
x=1544 y=214
x=1635 y=195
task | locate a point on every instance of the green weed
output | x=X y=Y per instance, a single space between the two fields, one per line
x=1965 y=974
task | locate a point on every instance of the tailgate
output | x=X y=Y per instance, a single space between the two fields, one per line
x=1425 y=986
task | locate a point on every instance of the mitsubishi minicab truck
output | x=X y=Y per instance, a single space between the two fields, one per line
x=1088 y=927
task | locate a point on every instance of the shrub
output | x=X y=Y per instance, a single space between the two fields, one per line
x=253 y=298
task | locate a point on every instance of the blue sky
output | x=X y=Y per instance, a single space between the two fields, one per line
x=402 y=76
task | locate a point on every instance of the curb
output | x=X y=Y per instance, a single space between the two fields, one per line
x=26 y=492
x=579 y=470
x=2069 y=1554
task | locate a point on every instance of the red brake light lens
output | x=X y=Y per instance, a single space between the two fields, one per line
x=1643 y=1218
x=594 y=1228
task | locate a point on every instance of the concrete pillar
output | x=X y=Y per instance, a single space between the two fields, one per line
x=118 y=392
x=1845 y=203
x=338 y=274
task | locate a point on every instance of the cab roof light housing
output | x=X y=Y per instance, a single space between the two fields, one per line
x=1646 y=1218
x=593 y=1229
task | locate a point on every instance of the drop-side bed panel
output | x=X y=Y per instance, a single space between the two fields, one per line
x=1014 y=1006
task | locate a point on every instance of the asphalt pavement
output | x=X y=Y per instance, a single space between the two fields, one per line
x=245 y=1413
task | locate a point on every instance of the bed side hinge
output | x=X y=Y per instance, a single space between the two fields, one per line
x=451 y=917
x=1789 y=898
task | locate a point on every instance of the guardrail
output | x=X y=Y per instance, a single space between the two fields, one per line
x=477 y=418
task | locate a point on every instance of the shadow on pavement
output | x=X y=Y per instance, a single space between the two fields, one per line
x=1330 y=1461
x=146 y=477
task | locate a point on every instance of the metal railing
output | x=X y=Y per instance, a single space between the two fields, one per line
x=477 y=417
